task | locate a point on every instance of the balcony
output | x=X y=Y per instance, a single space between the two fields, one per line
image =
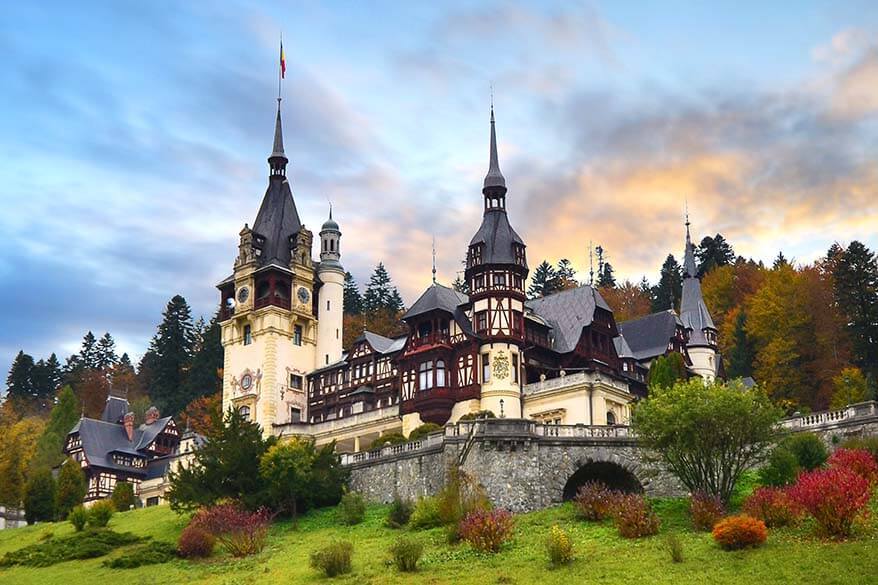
x=274 y=301
x=429 y=340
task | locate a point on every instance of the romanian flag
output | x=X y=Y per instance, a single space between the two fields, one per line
x=283 y=61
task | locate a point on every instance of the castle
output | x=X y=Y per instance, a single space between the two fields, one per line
x=560 y=359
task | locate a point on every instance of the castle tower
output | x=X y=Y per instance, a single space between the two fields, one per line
x=330 y=304
x=269 y=329
x=696 y=318
x=496 y=270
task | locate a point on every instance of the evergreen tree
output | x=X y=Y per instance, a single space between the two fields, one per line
x=381 y=294
x=856 y=291
x=666 y=294
x=89 y=354
x=70 y=489
x=742 y=353
x=543 y=281
x=780 y=261
x=105 y=352
x=39 y=499
x=19 y=382
x=606 y=278
x=172 y=348
x=124 y=361
x=204 y=376
x=43 y=388
x=565 y=275
x=64 y=416
x=53 y=373
x=395 y=305
x=712 y=253
x=666 y=370
x=460 y=284
x=353 y=300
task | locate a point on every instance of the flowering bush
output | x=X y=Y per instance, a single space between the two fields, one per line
x=705 y=511
x=833 y=496
x=559 y=545
x=486 y=530
x=595 y=501
x=195 y=542
x=240 y=532
x=737 y=532
x=859 y=461
x=774 y=506
x=634 y=517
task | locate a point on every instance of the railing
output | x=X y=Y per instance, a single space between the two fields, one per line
x=431 y=440
x=226 y=313
x=832 y=417
x=585 y=431
x=274 y=301
x=434 y=338
x=575 y=379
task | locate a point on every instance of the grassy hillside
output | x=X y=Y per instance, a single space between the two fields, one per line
x=790 y=555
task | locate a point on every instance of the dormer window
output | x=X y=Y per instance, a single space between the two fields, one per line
x=475 y=255
x=518 y=250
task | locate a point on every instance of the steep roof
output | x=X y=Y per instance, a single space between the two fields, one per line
x=623 y=350
x=693 y=311
x=115 y=408
x=277 y=222
x=648 y=336
x=383 y=344
x=436 y=297
x=497 y=236
x=567 y=312
x=100 y=439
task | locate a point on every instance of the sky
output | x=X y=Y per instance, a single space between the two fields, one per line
x=134 y=137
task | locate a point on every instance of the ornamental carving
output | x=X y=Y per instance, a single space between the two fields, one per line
x=249 y=382
x=501 y=366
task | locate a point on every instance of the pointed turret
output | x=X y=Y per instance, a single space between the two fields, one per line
x=693 y=310
x=689 y=269
x=277 y=161
x=494 y=178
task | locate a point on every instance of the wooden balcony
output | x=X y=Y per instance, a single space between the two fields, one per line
x=274 y=301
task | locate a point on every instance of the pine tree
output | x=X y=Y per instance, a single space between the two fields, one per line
x=543 y=281
x=565 y=275
x=105 y=352
x=712 y=253
x=39 y=498
x=19 y=382
x=666 y=294
x=460 y=284
x=855 y=279
x=606 y=278
x=381 y=294
x=353 y=300
x=43 y=389
x=89 y=355
x=53 y=372
x=64 y=416
x=204 y=377
x=742 y=354
x=780 y=261
x=172 y=348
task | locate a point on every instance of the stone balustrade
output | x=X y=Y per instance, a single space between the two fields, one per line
x=568 y=380
x=830 y=418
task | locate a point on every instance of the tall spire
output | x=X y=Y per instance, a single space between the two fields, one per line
x=278 y=160
x=689 y=269
x=434 y=259
x=494 y=178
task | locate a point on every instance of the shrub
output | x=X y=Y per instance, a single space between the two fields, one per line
x=240 y=532
x=781 y=469
x=406 y=553
x=153 y=553
x=88 y=544
x=426 y=513
x=594 y=501
x=834 y=497
x=352 y=508
x=423 y=430
x=78 y=516
x=737 y=532
x=774 y=506
x=869 y=444
x=859 y=461
x=400 y=513
x=675 y=547
x=195 y=542
x=100 y=513
x=460 y=496
x=477 y=415
x=705 y=511
x=387 y=439
x=70 y=487
x=39 y=497
x=559 y=547
x=123 y=496
x=808 y=449
x=487 y=530
x=634 y=517
x=333 y=559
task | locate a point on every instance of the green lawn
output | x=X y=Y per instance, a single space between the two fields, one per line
x=789 y=556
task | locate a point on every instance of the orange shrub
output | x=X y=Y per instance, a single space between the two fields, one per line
x=737 y=532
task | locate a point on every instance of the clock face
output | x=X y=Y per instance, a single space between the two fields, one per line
x=303 y=294
x=246 y=381
x=243 y=294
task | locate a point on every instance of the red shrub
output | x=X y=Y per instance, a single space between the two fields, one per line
x=240 y=532
x=595 y=501
x=737 y=532
x=834 y=497
x=634 y=517
x=705 y=511
x=195 y=543
x=486 y=530
x=774 y=506
x=859 y=461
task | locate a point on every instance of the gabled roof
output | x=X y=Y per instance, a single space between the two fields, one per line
x=648 y=336
x=436 y=297
x=497 y=236
x=623 y=350
x=567 y=312
x=100 y=439
x=381 y=344
x=115 y=409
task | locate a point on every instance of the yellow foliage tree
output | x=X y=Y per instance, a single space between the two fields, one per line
x=850 y=388
x=19 y=442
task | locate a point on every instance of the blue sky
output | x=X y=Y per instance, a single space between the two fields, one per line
x=134 y=138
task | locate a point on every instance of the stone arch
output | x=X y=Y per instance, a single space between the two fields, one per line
x=613 y=474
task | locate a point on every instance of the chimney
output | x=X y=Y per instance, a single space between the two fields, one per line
x=152 y=415
x=128 y=421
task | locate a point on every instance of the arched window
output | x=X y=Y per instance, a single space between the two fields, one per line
x=425 y=376
x=611 y=418
x=440 y=374
x=245 y=412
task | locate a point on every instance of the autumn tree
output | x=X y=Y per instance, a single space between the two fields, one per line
x=628 y=301
x=19 y=442
x=850 y=388
x=200 y=412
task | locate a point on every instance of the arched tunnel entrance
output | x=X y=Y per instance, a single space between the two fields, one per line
x=613 y=475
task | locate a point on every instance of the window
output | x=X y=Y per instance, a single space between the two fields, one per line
x=295 y=414
x=486 y=368
x=336 y=333
x=515 y=368
x=611 y=418
x=499 y=280
x=482 y=321
x=479 y=282
x=425 y=376
x=245 y=412
x=152 y=501
x=327 y=359
x=248 y=337
x=440 y=373
x=327 y=305
x=295 y=382
x=297 y=335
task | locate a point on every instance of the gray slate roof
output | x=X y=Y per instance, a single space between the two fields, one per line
x=623 y=350
x=497 y=236
x=115 y=409
x=277 y=222
x=437 y=297
x=693 y=312
x=383 y=344
x=101 y=438
x=648 y=336
x=567 y=312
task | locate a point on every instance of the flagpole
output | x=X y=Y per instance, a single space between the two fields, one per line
x=280 y=68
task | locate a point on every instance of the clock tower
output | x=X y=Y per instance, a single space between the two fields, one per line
x=268 y=312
